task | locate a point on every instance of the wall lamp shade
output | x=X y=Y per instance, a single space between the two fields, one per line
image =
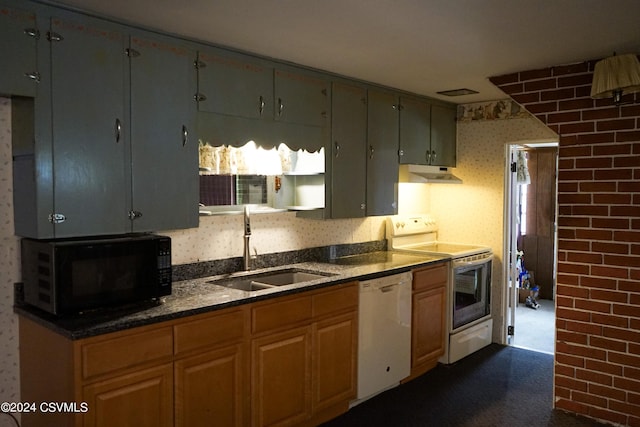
x=616 y=76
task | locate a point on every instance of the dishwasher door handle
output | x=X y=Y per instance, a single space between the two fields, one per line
x=388 y=288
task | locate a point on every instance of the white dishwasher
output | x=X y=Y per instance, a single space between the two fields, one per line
x=384 y=339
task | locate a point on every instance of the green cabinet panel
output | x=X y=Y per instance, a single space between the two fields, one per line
x=112 y=146
x=235 y=85
x=382 y=154
x=89 y=137
x=415 y=131
x=301 y=98
x=443 y=135
x=348 y=151
x=164 y=148
x=19 y=36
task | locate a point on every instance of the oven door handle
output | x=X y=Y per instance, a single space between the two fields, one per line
x=464 y=264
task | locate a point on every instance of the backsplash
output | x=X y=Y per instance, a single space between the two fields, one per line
x=221 y=236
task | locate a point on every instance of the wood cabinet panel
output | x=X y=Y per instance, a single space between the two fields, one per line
x=210 y=388
x=140 y=399
x=430 y=277
x=285 y=312
x=335 y=359
x=104 y=355
x=88 y=107
x=429 y=325
x=382 y=153
x=301 y=98
x=336 y=300
x=281 y=378
x=443 y=135
x=209 y=331
x=19 y=37
x=163 y=135
x=348 y=147
x=429 y=317
x=415 y=131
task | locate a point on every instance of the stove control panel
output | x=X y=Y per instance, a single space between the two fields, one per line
x=403 y=225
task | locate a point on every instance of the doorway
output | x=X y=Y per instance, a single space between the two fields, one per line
x=530 y=244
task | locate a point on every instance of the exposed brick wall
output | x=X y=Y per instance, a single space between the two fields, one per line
x=597 y=364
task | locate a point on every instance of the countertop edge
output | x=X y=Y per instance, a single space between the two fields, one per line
x=73 y=329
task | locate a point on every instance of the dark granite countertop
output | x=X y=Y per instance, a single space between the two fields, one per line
x=196 y=296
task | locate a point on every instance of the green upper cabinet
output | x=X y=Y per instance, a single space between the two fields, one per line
x=427 y=133
x=19 y=35
x=382 y=154
x=234 y=84
x=348 y=148
x=113 y=120
x=301 y=98
x=89 y=135
x=164 y=148
x=443 y=135
x=415 y=131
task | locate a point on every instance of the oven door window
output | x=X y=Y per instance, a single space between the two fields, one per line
x=471 y=293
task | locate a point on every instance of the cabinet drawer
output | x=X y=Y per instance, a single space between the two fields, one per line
x=123 y=352
x=335 y=300
x=209 y=331
x=430 y=277
x=265 y=317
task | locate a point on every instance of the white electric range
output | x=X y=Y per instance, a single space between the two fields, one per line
x=469 y=320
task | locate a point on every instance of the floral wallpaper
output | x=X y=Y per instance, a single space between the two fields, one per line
x=9 y=266
x=221 y=236
x=491 y=110
x=473 y=211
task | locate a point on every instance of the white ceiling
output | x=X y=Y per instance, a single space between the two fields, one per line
x=421 y=46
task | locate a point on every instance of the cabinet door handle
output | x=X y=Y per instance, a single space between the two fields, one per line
x=32 y=32
x=185 y=135
x=280 y=107
x=371 y=152
x=428 y=156
x=35 y=76
x=118 y=130
x=337 y=150
x=261 y=105
x=433 y=156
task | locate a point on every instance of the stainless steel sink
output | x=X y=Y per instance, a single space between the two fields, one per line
x=271 y=279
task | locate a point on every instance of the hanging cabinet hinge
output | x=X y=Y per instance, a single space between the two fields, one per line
x=56 y=218
x=134 y=215
x=511 y=330
x=132 y=53
x=54 y=37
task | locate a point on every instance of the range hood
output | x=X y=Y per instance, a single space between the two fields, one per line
x=428 y=174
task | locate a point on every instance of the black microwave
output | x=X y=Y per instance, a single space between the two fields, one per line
x=69 y=276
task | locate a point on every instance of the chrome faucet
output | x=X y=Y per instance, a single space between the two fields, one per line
x=247 y=236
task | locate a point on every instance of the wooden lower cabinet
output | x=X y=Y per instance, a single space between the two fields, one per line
x=281 y=378
x=304 y=370
x=140 y=399
x=289 y=360
x=210 y=388
x=334 y=361
x=429 y=317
